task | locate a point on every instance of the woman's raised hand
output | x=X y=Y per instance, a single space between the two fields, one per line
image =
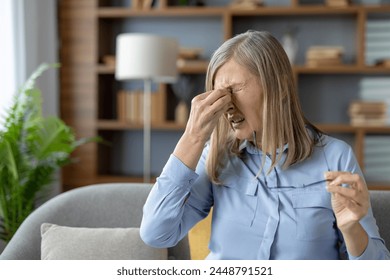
x=206 y=109
x=350 y=197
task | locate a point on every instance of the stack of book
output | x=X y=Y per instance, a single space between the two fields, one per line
x=377 y=158
x=337 y=3
x=246 y=4
x=376 y=89
x=324 y=56
x=378 y=42
x=376 y=150
x=130 y=107
x=367 y=113
x=372 y=2
x=142 y=4
x=190 y=58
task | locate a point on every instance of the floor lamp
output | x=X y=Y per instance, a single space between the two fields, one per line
x=150 y=58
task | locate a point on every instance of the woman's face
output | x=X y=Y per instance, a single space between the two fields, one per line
x=245 y=114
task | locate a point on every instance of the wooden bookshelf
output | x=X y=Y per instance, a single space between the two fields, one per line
x=88 y=88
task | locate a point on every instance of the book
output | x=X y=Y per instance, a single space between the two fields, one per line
x=367 y=108
x=367 y=113
x=323 y=62
x=367 y=121
x=371 y=2
x=192 y=64
x=378 y=25
x=130 y=106
x=375 y=82
x=121 y=106
x=337 y=3
x=384 y=63
x=324 y=55
x=377 y=46
x=324 y=51
x=189 y=53
x=109 y=60
x=374 y=95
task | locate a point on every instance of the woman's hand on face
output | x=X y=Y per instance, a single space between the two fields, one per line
x=206 y=109
x=350 y=197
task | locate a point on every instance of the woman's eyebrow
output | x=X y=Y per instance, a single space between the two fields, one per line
x=230 y=85
x=235 y=84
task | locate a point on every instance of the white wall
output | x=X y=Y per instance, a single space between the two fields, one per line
x=41 y=45
x=29 y=37
x=7 y=71
x=29 y=30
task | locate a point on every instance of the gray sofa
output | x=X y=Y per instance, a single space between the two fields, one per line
x=117 y=205
x=120 y=205
x=380 y=203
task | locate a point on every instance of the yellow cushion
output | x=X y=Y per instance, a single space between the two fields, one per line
x=199 y=237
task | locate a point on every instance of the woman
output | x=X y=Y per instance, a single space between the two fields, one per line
x=248 y=152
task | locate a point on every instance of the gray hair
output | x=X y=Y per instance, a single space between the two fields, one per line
x=283 y=119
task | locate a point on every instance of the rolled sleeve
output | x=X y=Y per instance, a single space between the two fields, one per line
x=374 y=251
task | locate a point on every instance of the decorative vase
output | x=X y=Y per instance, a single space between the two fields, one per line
x=290 y=45
x=181 y=113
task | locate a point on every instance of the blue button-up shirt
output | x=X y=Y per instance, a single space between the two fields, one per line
x=284 y=214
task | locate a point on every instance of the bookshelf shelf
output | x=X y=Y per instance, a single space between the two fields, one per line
x=347 y=128
x=310 y=10
x=342 y=69
x=199 y=67
x=160 y=12
x=295 y=11
x=117 y=125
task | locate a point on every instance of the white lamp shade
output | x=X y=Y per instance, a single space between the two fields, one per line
x=145 y=56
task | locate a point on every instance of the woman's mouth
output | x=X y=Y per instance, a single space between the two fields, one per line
x=236 y=121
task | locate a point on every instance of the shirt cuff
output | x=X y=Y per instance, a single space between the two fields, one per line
x=370 y=253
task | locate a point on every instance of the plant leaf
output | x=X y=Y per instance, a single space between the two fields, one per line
x=32 y=149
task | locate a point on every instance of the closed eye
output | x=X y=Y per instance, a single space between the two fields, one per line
x=236 y=90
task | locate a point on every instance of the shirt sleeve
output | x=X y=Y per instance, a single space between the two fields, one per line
x=179 y=199
x=376 y=249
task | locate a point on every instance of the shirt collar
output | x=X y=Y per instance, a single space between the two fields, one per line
x=250 y=148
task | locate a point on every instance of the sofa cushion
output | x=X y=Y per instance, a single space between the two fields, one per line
x=78 y=243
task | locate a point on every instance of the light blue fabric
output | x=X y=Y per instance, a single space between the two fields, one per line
x=285 y=214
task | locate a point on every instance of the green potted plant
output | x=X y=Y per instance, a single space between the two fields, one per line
x=32 y=149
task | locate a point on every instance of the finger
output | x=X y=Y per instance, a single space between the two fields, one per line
x=216 y=95
x=204 y=116
x=345 y=192
x=360 y=198
x=346 y=179
x=222 y=104
x=201 y=96
x=217 y=108
x=331 y=175
x=348 y=203
x=357 y=209
x=206 y=99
